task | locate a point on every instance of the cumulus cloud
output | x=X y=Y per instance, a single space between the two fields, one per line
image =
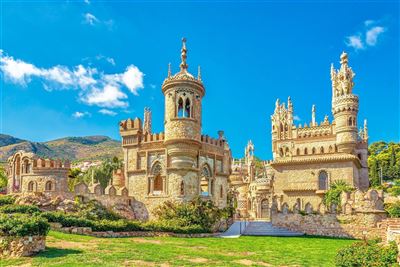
x=79 y=114
x=368 y=37
x=107 y=112
x=373 y=34
x=95 y=87
x=90 y=19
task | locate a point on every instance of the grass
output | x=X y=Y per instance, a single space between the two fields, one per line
x=75 y=250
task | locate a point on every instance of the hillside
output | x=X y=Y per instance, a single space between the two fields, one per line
x=72 y=148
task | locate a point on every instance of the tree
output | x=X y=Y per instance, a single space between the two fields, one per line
x=3 y=179
x=332 y=196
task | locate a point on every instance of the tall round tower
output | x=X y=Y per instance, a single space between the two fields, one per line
x=344 y=106
x=183 y=95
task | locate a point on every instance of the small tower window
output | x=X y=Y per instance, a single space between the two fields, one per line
x=321 y=150
x=313 y=150
x=350 y=121
x=305 y=151
x=323 y=180
x=298 y=152
x=49 y=186
x=182 y=188
x=187 y=108
x=221 y=192
x=180 y=108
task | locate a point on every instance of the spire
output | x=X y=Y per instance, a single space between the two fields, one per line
x=199 y=73
x=147 y=121
x=343 y=58
x=289 y=104
x=313 y=116
x=183 y=64
x=169 y=70
x=365 y=130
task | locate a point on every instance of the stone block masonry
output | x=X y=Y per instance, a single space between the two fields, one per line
x=21 y=246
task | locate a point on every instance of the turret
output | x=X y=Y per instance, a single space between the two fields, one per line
x=282 y=122
x=183 y=95
x=344 y=106
x=147 y=121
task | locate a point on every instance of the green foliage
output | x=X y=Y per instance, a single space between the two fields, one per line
x=23 y=225
x=365 y=254
x=13 y=208
x=3 y=179
x=383 y=160
x=74 y=175
x=93 y=210
x=395 y=189
x=196 y=212
x=393 y=209
x=332 y=196
x=5 y=200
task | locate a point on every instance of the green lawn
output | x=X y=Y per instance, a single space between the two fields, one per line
x=75 y=250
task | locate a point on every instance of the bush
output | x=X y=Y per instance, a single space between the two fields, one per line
x=93 y=210
x=367 y=254
x=13 y=208
x=6 y=200
x=23 y=225
x=174 y=226
x=393 y=209
x=332 y=196
x=196 y=212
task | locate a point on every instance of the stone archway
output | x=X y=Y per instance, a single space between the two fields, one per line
x=265 y=210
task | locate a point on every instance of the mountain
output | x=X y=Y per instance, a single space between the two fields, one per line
x=72 y=148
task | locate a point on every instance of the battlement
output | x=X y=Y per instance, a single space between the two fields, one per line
x=42 y=164
x=212 y=141
x=155 y=137
x=324 y=129
x=129 y=124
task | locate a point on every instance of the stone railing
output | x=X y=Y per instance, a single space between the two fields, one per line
x=21 y=246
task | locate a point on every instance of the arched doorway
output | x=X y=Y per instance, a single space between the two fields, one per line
x=264 y=208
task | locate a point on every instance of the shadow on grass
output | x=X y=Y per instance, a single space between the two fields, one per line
x=50 y=253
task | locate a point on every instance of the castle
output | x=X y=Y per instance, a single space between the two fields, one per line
x=181 y=163
x=306 y=159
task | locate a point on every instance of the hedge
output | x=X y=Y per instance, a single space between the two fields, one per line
x=23 y=225
x=13 y=208
x=120 y=225
x=367 y=254
x=6 y=200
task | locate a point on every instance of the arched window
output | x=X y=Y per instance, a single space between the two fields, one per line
x=286 y=151
x=354 y=122
x=321 y=150
x=286 y=127
x=305 y=151
x=298 y=152
x=49 y=186
x=180 y=108
x=350 y=123
x=281 y=152
x=323 y=180
x=187 y=108
x=313 y=150
x=330 y=149
x=31 y=186
x=205 y=181
x=221 y=191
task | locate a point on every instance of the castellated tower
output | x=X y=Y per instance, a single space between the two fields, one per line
x=344 y=106
x=183 y=95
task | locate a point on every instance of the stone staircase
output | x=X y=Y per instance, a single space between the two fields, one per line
x=262 y=228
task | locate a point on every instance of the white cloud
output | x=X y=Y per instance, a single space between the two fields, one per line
x=372 y=35
x=95 y=88
x=355 y=42
x=296 y=118
x=108 y=59
x=90 y=19
x=79 y=114
x=109 y=96
x=107 y=112
x=367 y=37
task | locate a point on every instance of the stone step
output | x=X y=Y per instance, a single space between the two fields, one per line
x=262 y=228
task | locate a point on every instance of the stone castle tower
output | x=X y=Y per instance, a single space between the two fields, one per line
x=344 y=106
x=183 y=95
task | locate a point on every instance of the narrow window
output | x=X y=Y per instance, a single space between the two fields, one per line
x=180 y=108
x=187 y=108
x=321 y=150
x=305 y=151
x=298 y=152
x=313 y=150
x=158 y=184
x=31 y=185
x=221 y=192
x=323 y=180
x=350 y=121
x=49 y=186
x=182 y=188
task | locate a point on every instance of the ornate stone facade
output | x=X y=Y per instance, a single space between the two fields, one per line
x=306 y=158
x=181 y=163
x=28 y=173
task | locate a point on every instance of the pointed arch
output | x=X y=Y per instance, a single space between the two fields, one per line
x=179 y=109
x=188 y=107
x=49 y=186
x=321 y=150
x=313 y=151
x=298 y=152
x=323 y=180
x=305 y=151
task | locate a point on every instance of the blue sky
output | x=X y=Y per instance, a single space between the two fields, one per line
x=77 y=68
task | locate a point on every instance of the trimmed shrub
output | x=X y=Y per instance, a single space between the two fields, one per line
x=175 y=227
x=6 y=200
x=23 y=225
x=393 y=209
x=13 y=208
x=93 y=210
x=367 y=254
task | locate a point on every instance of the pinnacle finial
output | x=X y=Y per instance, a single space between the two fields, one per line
x=199 y=74
x=343 y=58
x=183 y=64
x=169 y=70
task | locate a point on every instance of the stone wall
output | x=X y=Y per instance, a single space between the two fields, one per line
x=363 y=225
x=21 y=246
